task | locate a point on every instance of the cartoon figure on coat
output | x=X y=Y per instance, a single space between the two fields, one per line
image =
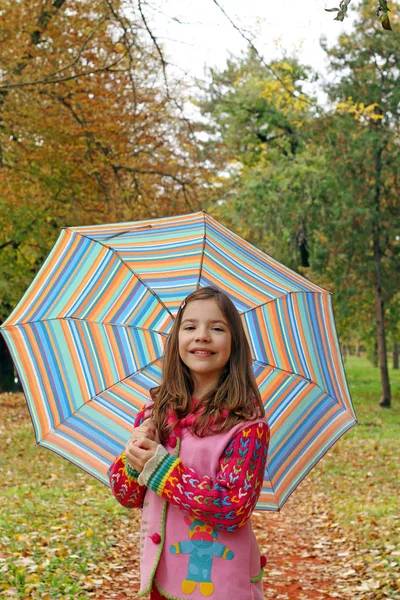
x=195 y=461
x=201 y=547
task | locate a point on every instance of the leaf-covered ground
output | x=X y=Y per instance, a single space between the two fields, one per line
x=62 y=535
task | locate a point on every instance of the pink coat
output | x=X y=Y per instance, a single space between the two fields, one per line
x=186 y=556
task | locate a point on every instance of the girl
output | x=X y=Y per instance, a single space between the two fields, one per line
x=196 y=460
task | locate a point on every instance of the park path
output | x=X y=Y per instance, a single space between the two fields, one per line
x=307 y=556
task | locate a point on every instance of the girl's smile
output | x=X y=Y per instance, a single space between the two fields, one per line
x=202 y=352
x=204 y=343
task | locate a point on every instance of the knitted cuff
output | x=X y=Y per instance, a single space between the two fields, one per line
x=152 y=465
x=161 y=474
x=131 y=473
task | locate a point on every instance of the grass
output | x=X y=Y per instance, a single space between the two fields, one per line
x=374 y=422
x=59 y=527
x=360 y=477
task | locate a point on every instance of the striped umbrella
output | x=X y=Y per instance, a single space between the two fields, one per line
x=88 y=336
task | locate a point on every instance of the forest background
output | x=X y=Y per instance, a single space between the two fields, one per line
x=94 y=129
x=97 y=127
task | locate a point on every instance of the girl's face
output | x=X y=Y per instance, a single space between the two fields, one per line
x=204 y=339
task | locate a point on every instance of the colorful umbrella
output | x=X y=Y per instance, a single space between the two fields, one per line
x=88 y=337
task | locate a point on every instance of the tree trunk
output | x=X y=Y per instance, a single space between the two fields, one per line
x=375 y=357
x=395 y=355
x=7 y=383
x=385 y=399
x=303 y=246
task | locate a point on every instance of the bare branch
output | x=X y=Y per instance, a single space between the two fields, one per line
x=184 y=184
x=152 y=172
x=46 y=81
x=163 y=62
x=12 y=243
x=128 y=31
x=266 y=65
x=80 y=51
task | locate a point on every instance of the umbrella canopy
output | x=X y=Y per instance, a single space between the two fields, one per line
x=88 y=337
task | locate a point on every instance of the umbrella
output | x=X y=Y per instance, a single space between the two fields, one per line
x=88 y=337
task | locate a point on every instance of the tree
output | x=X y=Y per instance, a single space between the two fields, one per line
x=268 y=169
x=363 y=140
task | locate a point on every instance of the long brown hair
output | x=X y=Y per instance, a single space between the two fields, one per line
x=235 y=398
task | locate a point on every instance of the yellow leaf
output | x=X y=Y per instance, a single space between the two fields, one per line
x=286 y=66
x=120 y=48
x=370 y=108
x=89 y=532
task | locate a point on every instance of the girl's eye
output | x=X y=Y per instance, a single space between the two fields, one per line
x=191 y=327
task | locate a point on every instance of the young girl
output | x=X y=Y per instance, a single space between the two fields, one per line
x=196 y=460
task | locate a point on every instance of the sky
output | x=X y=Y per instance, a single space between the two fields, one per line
x=204 y=36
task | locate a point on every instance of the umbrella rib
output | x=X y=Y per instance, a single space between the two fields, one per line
x=75 y=412
x=289 y=293
x=264 y=303
x=260 y=362
x=131 y=270
x=109 y=237
x=57 y=319
x=202 y=252
x=126 y=326
x=266 y=470
x=234 y=234
x=348 y=426
x=297 y=375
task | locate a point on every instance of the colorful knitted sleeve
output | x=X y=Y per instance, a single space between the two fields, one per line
x=228 y=500
x=123 y=479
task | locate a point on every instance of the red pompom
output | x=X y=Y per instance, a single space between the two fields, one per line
x=156 y=538
x=263 y=561
x=172 y=442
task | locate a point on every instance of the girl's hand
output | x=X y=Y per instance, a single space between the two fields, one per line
x=147 y=429
x=138 y=452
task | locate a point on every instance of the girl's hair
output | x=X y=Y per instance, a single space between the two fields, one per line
x=234 y=399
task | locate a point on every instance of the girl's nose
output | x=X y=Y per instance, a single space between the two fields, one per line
x=202 y=335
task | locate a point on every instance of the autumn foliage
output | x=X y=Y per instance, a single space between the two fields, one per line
x=89 y=129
